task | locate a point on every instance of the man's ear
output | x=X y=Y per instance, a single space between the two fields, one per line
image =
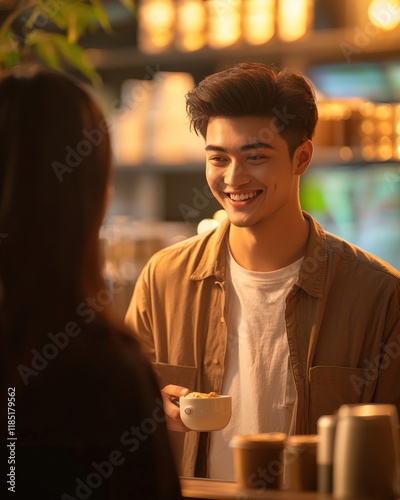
x=303 y=156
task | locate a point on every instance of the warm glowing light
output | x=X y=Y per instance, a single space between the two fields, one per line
x=385 y=148
x=334 y=110
x=130 y=122
x=224 y=22
x=385 y=152
x=385 y=128
x=367 y=127
x=293 y=19
x=220 y=216
x=383 y=111
x=397 y=119
x=368 y=149
x=385 y=141
x=346 y=153
x=385 y=14
x=259 y=21
x=206 y=225
x=171 y=142
x=156 y=25
x=191 y=24
x=367 y=108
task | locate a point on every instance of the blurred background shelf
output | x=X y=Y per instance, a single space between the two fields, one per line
x=349 y=50
x=149 y=60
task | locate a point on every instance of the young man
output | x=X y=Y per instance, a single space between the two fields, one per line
x=290 y=320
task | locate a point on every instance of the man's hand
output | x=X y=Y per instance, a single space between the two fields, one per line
x=169 y=394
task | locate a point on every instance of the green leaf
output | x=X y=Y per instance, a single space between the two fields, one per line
x=48 y=53
x=73 y=17
x=40 y=36
x=9 y=41
x=11 y=59
x=101 y=15
x=76 y=56
x=80 y=18
x=43 y=43
x=36 y=12
x=9 y=50
x=74 y=30
x=58 y=16
x=51 y=47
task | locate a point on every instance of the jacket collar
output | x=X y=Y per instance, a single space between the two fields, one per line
x=312 y=272
x=213 y=261
x=314 y=266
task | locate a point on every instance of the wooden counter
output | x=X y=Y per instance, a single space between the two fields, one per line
x=198 y=488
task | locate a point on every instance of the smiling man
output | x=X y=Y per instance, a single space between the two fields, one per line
x=257 y=183
x=289 y=320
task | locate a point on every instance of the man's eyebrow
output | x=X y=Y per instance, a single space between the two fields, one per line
x=257 y=145
x=210 y=147
x=246 y=147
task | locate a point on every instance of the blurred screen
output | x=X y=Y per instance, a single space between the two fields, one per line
x=358 y=203
x=378 y=82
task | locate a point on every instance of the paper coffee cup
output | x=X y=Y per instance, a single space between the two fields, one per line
x=258 y=460
x=300 y=471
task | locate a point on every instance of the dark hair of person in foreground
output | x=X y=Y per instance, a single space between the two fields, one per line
x=79 y=403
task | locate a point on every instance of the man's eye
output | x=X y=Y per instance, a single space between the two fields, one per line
x=257 y=157
x=217 y=159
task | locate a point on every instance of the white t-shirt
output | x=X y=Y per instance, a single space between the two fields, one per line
x=258 y=373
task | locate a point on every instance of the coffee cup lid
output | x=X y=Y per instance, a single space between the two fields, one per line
x=300 y=440
x=265 y=440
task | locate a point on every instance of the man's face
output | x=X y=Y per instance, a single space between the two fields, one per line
x=250 y=171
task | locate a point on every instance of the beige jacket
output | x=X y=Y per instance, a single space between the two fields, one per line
x=342 y=318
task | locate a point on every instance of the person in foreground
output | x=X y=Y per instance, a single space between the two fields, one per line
x=290 y=320
x=85 y=416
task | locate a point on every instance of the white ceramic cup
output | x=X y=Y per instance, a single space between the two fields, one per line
x=364 y=458
x=206 y=414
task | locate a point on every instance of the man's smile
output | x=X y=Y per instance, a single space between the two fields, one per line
x=243 y=196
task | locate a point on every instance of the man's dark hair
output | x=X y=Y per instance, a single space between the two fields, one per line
x=256 y=89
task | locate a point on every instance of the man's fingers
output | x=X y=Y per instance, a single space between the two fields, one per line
x=171 y=393
x=175 y=390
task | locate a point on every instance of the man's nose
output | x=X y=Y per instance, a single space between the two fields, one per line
x=236 y=174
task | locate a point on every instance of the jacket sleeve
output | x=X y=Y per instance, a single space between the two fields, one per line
x=387 y=387
x=139 y=314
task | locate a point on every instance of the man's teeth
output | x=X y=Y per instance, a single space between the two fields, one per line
x=242 y=196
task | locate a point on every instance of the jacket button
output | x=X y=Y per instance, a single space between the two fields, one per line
x=215 y=361
x=222 y=319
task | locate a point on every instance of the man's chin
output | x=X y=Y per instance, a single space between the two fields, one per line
x=240 y=223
